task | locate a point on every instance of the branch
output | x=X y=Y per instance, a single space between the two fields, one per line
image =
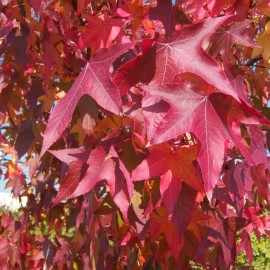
x=251 y=62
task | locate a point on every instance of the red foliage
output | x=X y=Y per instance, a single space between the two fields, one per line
x=145 y=128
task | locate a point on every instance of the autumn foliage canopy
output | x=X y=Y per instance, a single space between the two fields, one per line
x=137 y=130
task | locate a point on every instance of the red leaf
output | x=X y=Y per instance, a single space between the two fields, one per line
x=50 y=54
x=224 y=233
x=239 y=180
x=24 y=138
x=235 y=34
x=67 y=155
x=245 y=245
x=179 y=54
x=159 y=224
x=257 y=149
x=164 y=158
x=94 y=81
x=123 y=185
x=103 y=165
x=35 y=4
x=71 y=181
x=171 y=110
x=6 y=29
x=100 y=33
x=164 y=12
x=16 y=181
x=262 y=180
x=184 y=209
x=170 y=188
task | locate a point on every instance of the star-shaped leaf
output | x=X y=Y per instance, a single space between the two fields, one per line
x=101 y=32
x=161 y=61
x=93 y=80
x=173 y=109
x=164 y=13
x=163 y=158
x=235 y=34
x=103 y=165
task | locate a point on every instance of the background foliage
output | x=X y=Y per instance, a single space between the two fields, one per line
x=261 y=259
x=138 y=131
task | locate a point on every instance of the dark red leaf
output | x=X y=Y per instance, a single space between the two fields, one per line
x=162 y=62
x=171 y=110
x=67 y=155
x=184 y=209
x=235 y=34
x=180 y=161
x=71 y=181
x=24 y=138
x=94 y=81
x=164 y=12
x=102 y=32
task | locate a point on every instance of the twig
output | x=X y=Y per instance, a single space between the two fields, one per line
x=251 y=62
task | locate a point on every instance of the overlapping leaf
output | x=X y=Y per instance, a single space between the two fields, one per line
x=102 y=164
x=235 y=34
x=215 y=118
x=101 y=32
x=93 y=80
x=165 y=13
x=222 y=232
x=163 y=60
x=180 y=161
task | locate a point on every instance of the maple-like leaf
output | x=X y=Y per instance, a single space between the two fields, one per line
x=245 y=245
x=100 y=33
x=50 y=54
x=159 y=224
x=262 y=180
x=170 y=187
x=36 y=4
x=224 y=38
x=257 y=148
x=94 y=81
x=71 y=181
x=180 y=161
x=222 y=195
x=139 y=12
x=164 y=12
x=260 y=223
x=103 y=165
x=16 y=181
x=222 y=232
x=184 y=209
x=171 y=110
x=161 y=61
x=238 y=181
x=24 y=138
x=67 y=155
x=6 y=29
